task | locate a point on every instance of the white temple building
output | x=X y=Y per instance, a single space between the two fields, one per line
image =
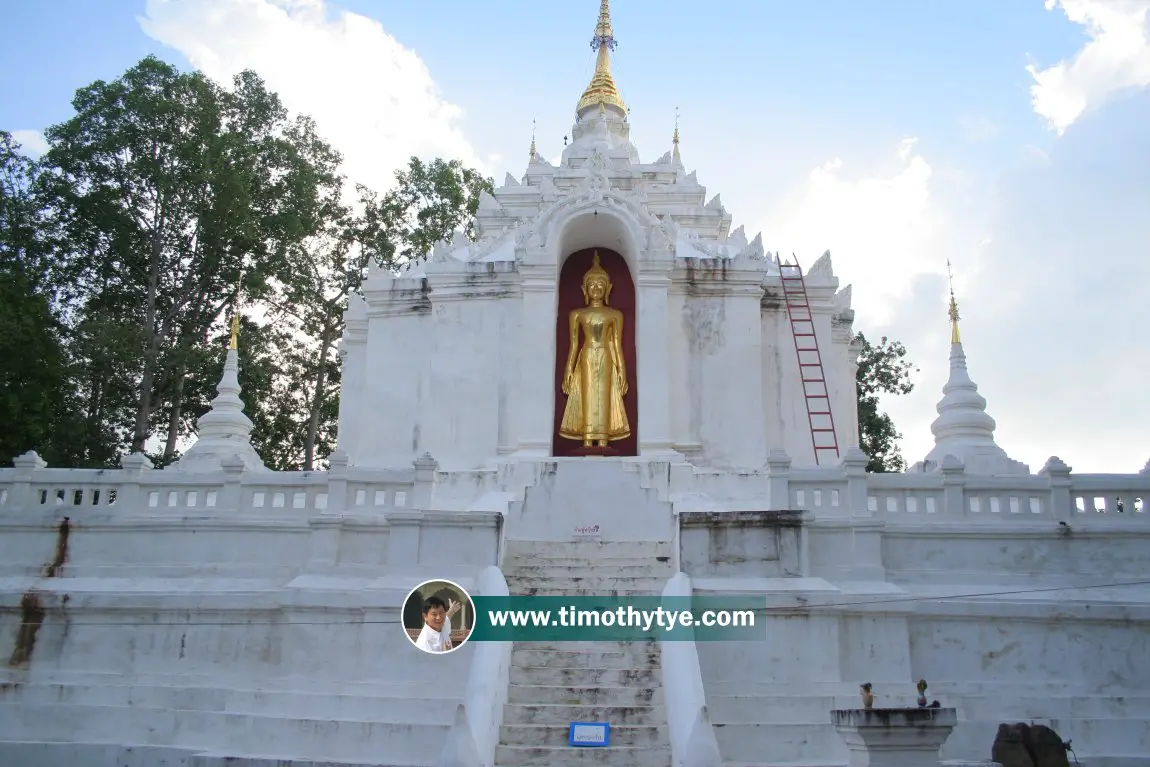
x=216 y=612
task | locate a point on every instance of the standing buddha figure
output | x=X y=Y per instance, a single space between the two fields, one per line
x=595 y=378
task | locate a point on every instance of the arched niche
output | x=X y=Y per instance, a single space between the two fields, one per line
x=570 y=296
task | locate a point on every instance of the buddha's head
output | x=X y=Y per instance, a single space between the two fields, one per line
x=596 y=283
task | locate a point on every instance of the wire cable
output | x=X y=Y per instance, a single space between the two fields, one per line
x=73 y=622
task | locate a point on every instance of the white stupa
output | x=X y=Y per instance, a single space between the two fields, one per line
x=224 y=431
x=963 y=428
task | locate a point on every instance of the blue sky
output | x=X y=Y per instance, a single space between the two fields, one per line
x=896 y=133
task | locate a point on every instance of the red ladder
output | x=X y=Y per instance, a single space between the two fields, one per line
x=819 y=417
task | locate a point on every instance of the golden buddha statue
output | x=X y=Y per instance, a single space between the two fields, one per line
x=595 y=378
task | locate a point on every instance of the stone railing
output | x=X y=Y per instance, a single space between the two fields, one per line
x=948 y=495
x=137 y=488
x=1054 y=494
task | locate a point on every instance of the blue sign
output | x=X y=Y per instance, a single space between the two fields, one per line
x=589 y=734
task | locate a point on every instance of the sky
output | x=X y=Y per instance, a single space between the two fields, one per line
x=1009 y=138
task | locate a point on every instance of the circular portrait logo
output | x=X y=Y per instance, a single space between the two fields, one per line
x=438 y=616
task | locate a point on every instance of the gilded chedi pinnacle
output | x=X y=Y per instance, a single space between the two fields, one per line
x=602 y=91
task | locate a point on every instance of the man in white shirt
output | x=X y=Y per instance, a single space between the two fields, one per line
x=436 y=633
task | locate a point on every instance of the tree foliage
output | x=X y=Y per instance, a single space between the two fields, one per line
x=882 y=369
x=121 y=252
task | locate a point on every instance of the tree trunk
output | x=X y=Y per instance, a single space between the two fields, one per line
x=174 y=417
x=147 y=378
x=317 y=399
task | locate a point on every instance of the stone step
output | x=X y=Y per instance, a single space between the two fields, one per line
x=42 y=754
x=771 y=743
x=638 y=646
x=298 y=685
x=645 y=735
x=557 y=676
x=586 y=659
x=776 y=709
x=557 y=590
x=396 y=708
x=564 y=714
x=213 y=570
x=228 y=760
x=563 y=568
x=566 y=756
x=588 y=580
x=589 y=549
x=800 y=763
x=353 y=740
x=593 y=694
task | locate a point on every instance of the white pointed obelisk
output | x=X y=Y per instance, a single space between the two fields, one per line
x=963 y=428
x=224 y=431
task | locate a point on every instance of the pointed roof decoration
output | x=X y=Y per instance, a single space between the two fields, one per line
x=675 y=140
x=224 y=431
x=963 y=428
x=601 y=90
x=532 y=154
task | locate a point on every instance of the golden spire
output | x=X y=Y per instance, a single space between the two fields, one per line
x=533 y=152
x=602 y=90
x=953 y=311
x=675 y=136
x=235 y=340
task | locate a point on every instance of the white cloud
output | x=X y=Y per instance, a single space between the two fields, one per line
x=879 y=228
x=33 y=141
x=1116 y=59
x=979 y=128
x=371 y=97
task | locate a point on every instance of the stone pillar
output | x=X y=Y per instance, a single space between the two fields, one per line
x=326 y=526
x=653 y=356
x=132 y=469
x=953 y=487
x=536 y=398
x=1061 y=503
x=232 y=495
x=854 y=463
x=423 y=487
x=26 y=467
x=894 y=737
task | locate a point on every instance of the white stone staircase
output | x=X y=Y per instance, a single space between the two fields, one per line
x=159 y=720
x=554 y=684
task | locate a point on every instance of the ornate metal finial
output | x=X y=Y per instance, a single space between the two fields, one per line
x=603 y=33
x=602 y=90
x=675 y=137
x=235 y=339
x=533 y=154
x=953 y=310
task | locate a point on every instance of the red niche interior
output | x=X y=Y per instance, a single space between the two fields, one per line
x=623 y=299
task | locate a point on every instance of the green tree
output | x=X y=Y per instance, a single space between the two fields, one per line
x=161 y=188
x=34 y=376
x=882 y=369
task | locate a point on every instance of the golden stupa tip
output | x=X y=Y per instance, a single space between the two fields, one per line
x=533 y=153
x=601 y=90
x=952 y=310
